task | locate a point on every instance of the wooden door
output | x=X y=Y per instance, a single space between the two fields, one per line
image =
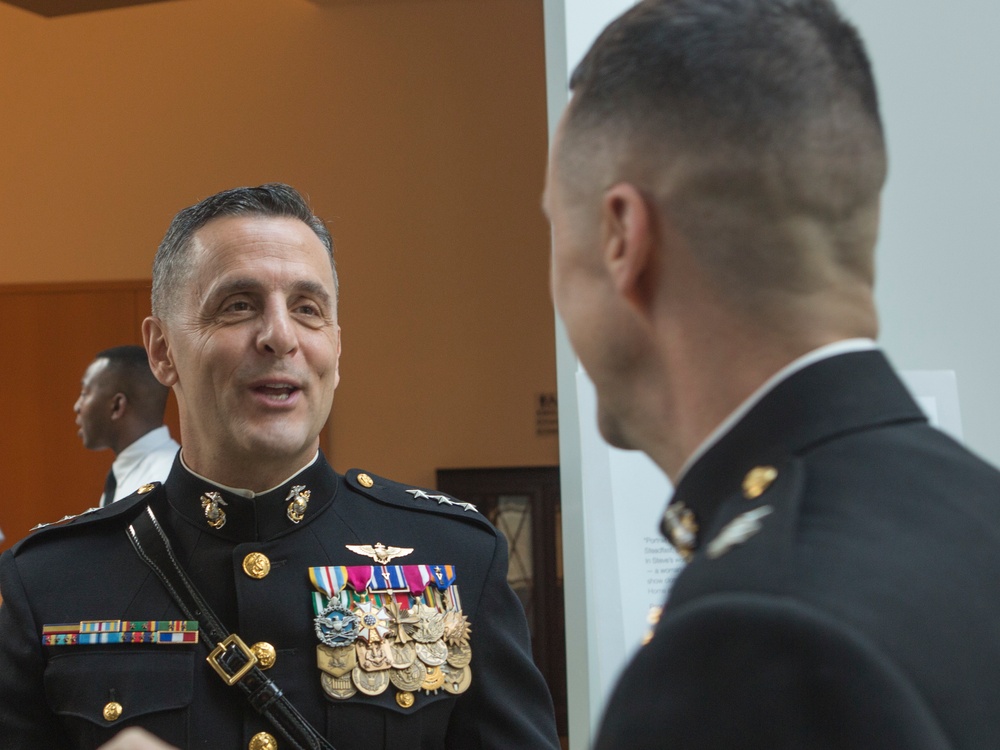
x=524 y=504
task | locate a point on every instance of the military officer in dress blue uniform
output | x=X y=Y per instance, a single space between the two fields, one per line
x=714 y=197
x=329 y=610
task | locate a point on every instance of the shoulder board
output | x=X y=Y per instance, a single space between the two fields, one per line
x=90 y=516
x=413 y=498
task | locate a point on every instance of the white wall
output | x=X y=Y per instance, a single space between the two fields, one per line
x=938 y=266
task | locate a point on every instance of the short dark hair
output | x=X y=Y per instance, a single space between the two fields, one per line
x=273 y=199
x=128 y=372
x=775 y=98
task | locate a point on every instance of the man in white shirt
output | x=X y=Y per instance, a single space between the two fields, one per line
x=121 y=408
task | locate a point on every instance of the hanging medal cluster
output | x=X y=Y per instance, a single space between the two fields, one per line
x=382 y=625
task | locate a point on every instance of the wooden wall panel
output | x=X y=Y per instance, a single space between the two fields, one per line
x=57 y=329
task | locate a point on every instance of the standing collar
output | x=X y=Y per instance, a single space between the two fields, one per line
x=259 y=516
x=249 y=494
x=844 y=346
x=823 y=400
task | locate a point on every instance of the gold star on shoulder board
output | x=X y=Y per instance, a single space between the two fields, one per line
x=379 y=552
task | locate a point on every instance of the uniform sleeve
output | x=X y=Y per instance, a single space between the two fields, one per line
x=26 y=723
x=508 y=703
x=749 y=671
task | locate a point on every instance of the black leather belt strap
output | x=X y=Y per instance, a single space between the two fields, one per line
x=234 y=662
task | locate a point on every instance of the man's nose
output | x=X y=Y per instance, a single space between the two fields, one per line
x=277 y=335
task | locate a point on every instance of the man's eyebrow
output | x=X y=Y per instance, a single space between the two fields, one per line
x=249 y=284
x=314 y=289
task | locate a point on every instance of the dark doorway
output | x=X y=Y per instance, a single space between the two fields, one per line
x=523 y=503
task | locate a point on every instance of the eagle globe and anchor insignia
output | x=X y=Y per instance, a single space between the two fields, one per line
x=382 y=624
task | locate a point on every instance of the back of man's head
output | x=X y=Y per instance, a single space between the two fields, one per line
x=128 y=372
x=753 y=124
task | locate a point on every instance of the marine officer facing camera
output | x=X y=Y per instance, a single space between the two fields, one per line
x=258 y=599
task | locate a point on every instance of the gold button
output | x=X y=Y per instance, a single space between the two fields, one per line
x=256 y=565
x=112 y=711
x=265 y=653
x=405 y=699
x=757 y=480
x=263 y=741
x=146 y=488
x=365 y=481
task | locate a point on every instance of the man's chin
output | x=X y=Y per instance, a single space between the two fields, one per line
x=274 y=448
x=612 y=432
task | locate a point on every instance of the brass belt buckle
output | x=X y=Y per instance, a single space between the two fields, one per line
x=221 y=648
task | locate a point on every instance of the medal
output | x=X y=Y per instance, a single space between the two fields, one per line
x=456 y=680
x=338 y=687
x=402 y=655
x=434 y=680
x=336 y=661
x=430 y=623
x=374 y=656
x=373 y=624
x=336 y=625
x=432 y=654
x=370 y=683
x=456 y=628
x=410 y=678
x=460 y=655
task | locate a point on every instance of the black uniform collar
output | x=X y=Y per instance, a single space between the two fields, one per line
x=836 y=396
x=260 y=518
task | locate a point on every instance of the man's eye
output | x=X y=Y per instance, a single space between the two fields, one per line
x=308 y=309
x=238 y=306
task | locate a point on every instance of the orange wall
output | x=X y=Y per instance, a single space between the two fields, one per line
x=417 y=127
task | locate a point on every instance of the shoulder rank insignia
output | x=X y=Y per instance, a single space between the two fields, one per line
x=64 y=519
x=379 y=552
x=737 y=531
x=442 y=500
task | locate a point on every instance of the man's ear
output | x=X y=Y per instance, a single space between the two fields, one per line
x=630 y=243
x=118 y=404
x=154 y=336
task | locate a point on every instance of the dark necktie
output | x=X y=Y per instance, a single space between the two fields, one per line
x=110 y=484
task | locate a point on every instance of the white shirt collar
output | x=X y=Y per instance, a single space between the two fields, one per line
x=250 y=494
x=844 y=346
x=135 y=451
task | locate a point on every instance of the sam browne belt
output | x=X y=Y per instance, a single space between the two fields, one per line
x=230 y=657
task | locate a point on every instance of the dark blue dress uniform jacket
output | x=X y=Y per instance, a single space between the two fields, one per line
x=865 y=612
x=52 y=697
